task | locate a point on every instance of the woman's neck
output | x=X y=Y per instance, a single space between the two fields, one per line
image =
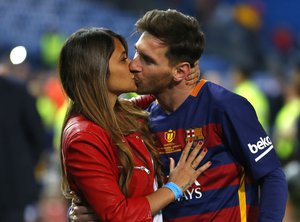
x=112 y=99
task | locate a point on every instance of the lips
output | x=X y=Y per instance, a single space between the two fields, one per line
x=136 y=81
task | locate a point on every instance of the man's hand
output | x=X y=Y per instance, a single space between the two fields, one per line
x=80 y=213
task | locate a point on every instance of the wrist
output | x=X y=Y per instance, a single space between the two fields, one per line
x=175 y=189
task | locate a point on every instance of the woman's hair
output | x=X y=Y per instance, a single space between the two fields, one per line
x=181 y=33
x=84 y=70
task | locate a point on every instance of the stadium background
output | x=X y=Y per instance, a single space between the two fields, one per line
x=263 y=35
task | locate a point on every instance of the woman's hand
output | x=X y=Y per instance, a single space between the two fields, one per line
x=183 y=176
x=194 y=75
x=187 y=171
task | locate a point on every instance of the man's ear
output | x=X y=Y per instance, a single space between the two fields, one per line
x=181 y=71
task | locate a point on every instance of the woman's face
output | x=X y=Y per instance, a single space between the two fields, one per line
x=120 y=80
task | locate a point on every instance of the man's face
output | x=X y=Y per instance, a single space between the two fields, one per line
x=150 y=66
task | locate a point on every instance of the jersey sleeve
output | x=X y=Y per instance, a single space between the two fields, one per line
x=274 y=193
x=246 y=138
x=90 y=165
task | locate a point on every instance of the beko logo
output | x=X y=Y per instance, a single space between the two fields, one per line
x=261 y=144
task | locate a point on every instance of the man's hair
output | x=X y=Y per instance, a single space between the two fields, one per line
x=178 y=31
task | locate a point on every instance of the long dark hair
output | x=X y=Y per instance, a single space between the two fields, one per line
x=83 y=70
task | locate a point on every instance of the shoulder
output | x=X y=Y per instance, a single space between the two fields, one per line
x=223 y=98
x=80 y=128
x=81 y=136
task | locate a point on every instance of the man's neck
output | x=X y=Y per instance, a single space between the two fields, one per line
x=172 y=98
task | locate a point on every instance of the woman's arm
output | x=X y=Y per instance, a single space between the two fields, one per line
x=142 y=101
x=182 y=175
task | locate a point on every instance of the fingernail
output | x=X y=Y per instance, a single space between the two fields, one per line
x=200 y=143
x=205 y=150
x=190 y=140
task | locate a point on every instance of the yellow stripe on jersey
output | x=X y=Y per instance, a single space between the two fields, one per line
x=242 y=198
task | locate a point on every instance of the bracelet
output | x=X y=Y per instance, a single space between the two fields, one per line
x=175 y=189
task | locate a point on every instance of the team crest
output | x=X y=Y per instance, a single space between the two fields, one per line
x=195 y=134
x=170 y=135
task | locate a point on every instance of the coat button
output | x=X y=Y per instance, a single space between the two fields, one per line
x=137 y=137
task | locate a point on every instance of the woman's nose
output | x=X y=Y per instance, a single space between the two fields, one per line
x=133 y=66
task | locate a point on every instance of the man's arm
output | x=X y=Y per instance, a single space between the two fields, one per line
x=274 y=192
x=241 y=124
x=77 y=213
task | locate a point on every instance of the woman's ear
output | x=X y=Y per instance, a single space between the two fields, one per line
x=181 y=71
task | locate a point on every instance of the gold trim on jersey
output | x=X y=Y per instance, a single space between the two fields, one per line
x=242 y=198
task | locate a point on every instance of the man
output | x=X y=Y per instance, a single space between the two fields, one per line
x=21 y=146
x=245 y=182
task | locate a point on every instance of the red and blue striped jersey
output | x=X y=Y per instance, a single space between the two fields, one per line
x=238 y=146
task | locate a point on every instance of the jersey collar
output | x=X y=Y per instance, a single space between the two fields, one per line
x=198 y=87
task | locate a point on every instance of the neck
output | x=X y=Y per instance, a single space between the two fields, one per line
x=172 y=98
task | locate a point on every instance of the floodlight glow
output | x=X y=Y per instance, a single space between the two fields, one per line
x=18 y=55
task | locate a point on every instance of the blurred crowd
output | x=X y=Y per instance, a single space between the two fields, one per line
x=241 y=53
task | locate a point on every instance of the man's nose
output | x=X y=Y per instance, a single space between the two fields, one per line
x=134 y=67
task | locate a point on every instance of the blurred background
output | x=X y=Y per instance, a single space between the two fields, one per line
x=252 y=48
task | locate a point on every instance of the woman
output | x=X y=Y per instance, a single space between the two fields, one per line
x=108 y=154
